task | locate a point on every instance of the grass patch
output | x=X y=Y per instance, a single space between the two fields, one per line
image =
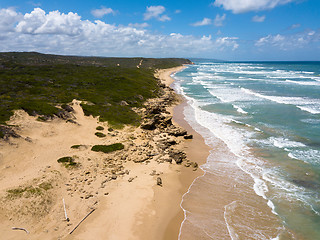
x=99 y=128
x=68 y=162
x=29 y=191
x=100 y=134
x=45 y=186
x=107 y=148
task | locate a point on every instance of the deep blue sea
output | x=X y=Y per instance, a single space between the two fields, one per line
x=267 y=114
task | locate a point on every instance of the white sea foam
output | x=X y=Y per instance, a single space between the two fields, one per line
x=306 y=83
x=290 y=155
x=260 y=188
x=271 y=205
x=305 y=104
x=311 y=121
x=228 y=94
x=310 y=109
x=239 y=109
x=235 y=141
x=280 y=142
x=308 y=156
x=228 y=211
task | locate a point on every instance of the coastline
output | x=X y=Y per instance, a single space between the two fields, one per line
x=196 y=150
x=121 y=187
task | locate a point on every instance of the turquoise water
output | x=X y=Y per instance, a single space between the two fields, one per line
x=268 y=114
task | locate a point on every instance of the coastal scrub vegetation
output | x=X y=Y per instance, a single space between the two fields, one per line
x=108 y=87
x=107 y=148
x=77 y=146
x=100 y=134
x=67 y=162
x=28 y=191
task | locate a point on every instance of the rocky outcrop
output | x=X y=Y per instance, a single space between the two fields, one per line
x=177 y=155
x=7 y=132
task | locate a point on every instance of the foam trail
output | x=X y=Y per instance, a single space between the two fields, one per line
x=305 y=104
x=310 y=110
x=239 y=109
x=227 y=208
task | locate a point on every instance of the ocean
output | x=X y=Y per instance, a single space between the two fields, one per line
x=262 y=177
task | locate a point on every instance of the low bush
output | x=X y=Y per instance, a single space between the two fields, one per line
x=67 y=162
x=99 y=128
x=108 y=148
x=100 y=134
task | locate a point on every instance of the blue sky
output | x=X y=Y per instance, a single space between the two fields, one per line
x=221 y=29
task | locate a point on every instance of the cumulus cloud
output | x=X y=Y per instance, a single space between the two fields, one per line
x=60 y=33
x=225 y=42
x=204 y=22
x=99 y=13
x=157 y=13
x=218 y=21
x=38 y=22
x=289 y=42
x=242 y=6
x=259 y=18
x=8 y=18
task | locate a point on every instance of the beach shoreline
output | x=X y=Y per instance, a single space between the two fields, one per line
x=196 y=150
x=122 y=187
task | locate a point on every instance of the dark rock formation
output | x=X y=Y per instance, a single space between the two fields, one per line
x=188 y=136
x=7 y=132
x=178 y=156
x=159 y=181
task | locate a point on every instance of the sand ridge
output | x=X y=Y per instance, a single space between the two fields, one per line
x=120 y=186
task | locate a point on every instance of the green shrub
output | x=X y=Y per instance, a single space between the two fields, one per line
x=67 y=162
x=99 y=128
x=100 y=134
x=107 y=148
x=76 y=146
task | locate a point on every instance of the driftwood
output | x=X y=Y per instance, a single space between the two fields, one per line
x=18 y=228
x=82 y=220
x=65 y=211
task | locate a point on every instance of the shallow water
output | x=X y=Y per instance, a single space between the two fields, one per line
x=262 y=177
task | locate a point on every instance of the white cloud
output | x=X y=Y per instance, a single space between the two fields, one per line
x=99 y=13
x=68 y=34
x=289 y=42
x=218 y=21
x=294 y=26
x=8 y=18
x=177 y=11
x=38 y=22
x=242 y=6
x=224 y=42
x=259 y=18
x=157 y=13
x=139 y=25
x=204 y=22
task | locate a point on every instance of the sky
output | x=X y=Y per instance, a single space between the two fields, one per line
x=248 y=30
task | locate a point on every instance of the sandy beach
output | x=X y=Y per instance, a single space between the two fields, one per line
x=121 y=189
